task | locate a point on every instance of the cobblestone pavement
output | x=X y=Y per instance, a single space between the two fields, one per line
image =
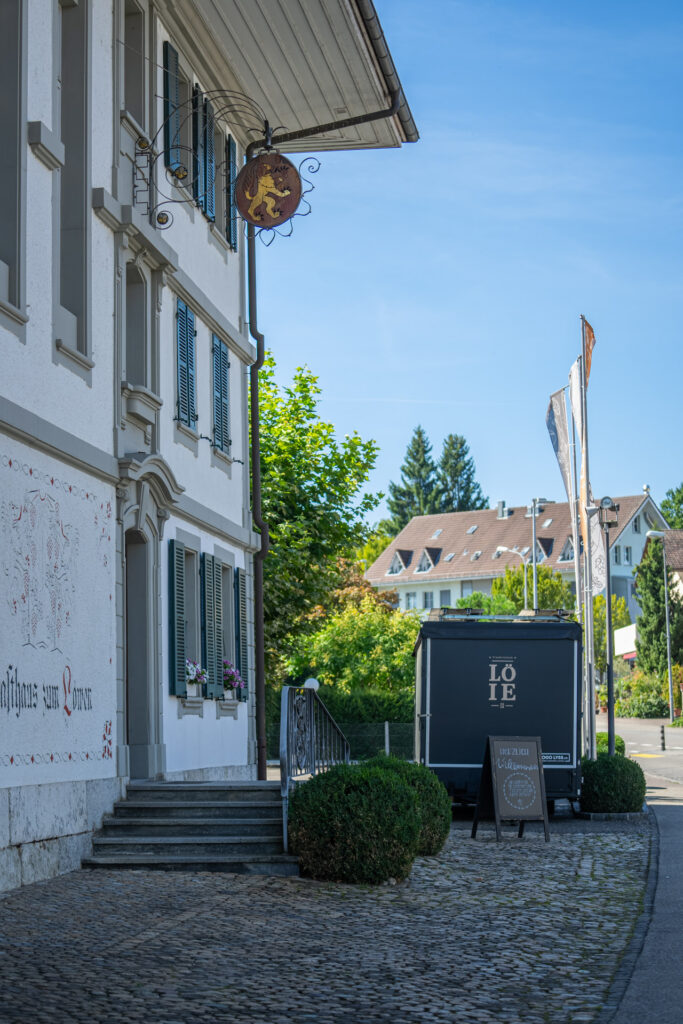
x=509 y=933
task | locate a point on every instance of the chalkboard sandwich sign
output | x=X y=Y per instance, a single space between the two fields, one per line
x=512 y=786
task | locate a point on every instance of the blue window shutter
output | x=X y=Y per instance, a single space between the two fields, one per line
x=183 y=367
x=241 y=635
x=230 y=206
x=209 y=162
x=198 y=149
x=212 y=623
x=176 y=601
x=171 y=107
x=191 y=388
x=221 y=392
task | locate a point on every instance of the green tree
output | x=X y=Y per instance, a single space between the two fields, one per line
x=418 y=493
x=361 y=646
x=313 y=502
x=460 y=492
x=672 y=507
x=379 y=538
x=490 y=604
x=553 y=592
x=620 y=617
x=651 y=635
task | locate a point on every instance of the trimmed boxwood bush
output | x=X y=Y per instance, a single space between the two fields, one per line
x=612 y=785
x=433 y=801
x=355 y=823
x=602 y=744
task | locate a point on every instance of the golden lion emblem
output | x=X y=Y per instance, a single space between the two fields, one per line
x=266 y=194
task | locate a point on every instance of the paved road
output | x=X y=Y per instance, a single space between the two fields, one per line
x=643 y=743
x=485 y=933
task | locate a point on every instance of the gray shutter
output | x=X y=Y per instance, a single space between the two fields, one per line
x=209 y=162
x=181 y=346
x=171 y=107
x=221 y=390
x=218 y=627
x=241 y=635
x=198 y=148
x=212 y=624
x=191 y=389
x=176 y=601
x=230 y=207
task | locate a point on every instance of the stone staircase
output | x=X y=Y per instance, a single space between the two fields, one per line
x=195 y=826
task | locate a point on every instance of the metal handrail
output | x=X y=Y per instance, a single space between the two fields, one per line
x=310 y=742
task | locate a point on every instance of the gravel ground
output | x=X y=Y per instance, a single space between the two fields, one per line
x=516 y=932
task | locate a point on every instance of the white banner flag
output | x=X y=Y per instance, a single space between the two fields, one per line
x=556 y=422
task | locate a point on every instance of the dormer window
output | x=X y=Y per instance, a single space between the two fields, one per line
x=425 y=563
x=567 y=553
x=396 y=566
x=540 y=552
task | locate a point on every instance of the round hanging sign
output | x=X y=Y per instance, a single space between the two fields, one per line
x=268 y=190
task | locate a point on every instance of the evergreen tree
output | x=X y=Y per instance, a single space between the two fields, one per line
x=651 y=638
x=460 y=492
x=418 y=493
x=672 y=507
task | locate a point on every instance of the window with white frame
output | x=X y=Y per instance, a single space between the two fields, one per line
x=628 y=556
x=617 y=554
x=636 y=524
x=567 y=553
x=396 y=566
x=428 y=599
x=425 y=563
x=444 y=598
x=410 y=599
x=467 y=588
x=134 y=61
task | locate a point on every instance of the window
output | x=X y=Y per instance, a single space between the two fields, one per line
x=475 y=556
x=567 y=553
x=410 y=600
x=547 y=523
x=636 y=524
x=12 y=115
x=396 y=566
x=466 y=588
x=540 y=552
x=617 y=555
x=628 y=554
x=428 y=599
x=449 y=557
x=185 y=346
x=230 y=206
x=445 y=598
x=473 y=529
x=134 y=61
x=425 y=563
x=136 y=327
x=74 y=203
x=192 y=632
x=221 y=395
x=436 y=534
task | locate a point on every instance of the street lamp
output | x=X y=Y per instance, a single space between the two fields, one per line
x=607 y=512
x=535 y=502
x=659 y=535
x=512 y=551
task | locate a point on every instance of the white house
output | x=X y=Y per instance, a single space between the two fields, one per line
x=437 y=559
x=126 y=540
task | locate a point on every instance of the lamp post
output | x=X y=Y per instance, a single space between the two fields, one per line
x=608 y=517
x=659 y=535
x=535 y=503
x=512 y=551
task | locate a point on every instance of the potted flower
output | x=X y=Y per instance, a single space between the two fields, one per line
x=233 y=684
x=195 y=677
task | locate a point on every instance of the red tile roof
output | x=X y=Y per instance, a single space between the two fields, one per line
x=458 y=546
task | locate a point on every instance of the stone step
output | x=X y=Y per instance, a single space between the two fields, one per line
x=223 y=809
x=113 y=825
x=264 y=865
x=202 y=791
x=244 y=847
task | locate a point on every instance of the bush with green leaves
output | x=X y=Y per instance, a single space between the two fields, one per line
x=640 y=696
x=433 y=801
x=355 y=823
x=611 y=785
x=602 y=744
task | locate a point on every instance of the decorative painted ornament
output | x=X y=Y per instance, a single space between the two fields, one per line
x=268 y=190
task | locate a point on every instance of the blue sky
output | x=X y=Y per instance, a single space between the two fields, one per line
x=442 y=283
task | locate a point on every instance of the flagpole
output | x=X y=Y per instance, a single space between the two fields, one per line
x=574 y=507
x=588 y=581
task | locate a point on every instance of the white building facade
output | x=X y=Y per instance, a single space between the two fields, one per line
x=126 y=542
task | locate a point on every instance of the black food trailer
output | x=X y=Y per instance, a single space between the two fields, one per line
x=498 y=677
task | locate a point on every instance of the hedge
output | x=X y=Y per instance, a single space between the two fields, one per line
x=612 y=785
x=602 y=744
x=355 y=823
x=433 y=801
